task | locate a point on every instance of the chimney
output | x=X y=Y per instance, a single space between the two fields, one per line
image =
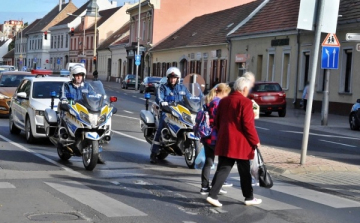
x=61 y=2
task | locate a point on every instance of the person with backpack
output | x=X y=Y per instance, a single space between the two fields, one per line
x=211 y=102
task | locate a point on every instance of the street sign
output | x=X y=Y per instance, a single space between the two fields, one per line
x=35 y=60
x=358 y=47
x=24 y=68
x=331 y=40
x=352 y=36
x=58 y=61
x=330 y=57
x=137 y=59
x=83 y=61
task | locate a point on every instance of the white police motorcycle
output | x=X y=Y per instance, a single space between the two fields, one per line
x=177 y=137
x=80 y=127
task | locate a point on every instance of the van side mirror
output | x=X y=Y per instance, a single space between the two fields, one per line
x=22 y=95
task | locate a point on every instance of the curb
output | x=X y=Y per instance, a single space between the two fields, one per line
x=311 y=169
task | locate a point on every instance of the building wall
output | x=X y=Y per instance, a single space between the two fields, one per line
x=118 y=67
x=104 y=56
x=200 y=60
x=4 y=48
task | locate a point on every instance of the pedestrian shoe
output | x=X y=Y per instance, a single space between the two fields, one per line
x=100 y=160
x=226 y=184
x=214 y=202
x=153 y=159
x=254 y=201
x=205 y=190
x=222 y=191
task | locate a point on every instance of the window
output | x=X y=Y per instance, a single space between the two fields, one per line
x=346 y=71
x=92 y=42
x=241 y=68
x=271 y=67
x=42 y=89
x=285 y=72
x=205 y=71
x=148 y=31
x=54 y=42
x=223 y=70
x=305 y=68
x=87 y=43
x=71 y=44
x=174 y=64
x=192 y=67
x=51 y=42
x=258 y=74
x=198 y=67
x=58 y=46
x=66 y=41
x=143 y=31
x=62 y=41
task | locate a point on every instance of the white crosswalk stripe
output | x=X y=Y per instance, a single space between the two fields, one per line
x=96 y=200
x=4 y=185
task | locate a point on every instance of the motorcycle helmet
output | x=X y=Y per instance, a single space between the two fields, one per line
x=173 y=72
x=77 y=69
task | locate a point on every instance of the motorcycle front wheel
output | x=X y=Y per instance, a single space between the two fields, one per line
x=90 y=155
x=191 y=154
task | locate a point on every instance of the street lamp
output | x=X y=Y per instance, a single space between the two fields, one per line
x=138 y=47
x=83 y=43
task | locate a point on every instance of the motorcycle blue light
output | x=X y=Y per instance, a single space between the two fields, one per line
x=53 y=94
x=147 y=95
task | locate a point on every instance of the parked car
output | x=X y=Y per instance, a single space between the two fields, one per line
x=9 y=81
x=270 y=97
x=129 y=81
x=149 y=84
x=29 y=102
x=8 y=68
x=354 y=117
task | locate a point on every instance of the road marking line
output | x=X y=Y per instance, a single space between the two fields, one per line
x=125 y=93
x=129 y=136
x=123 y=116
x=315 y=134
x=315 y=196
x=337 y=143
x=128 y=112
x=96 y=200
x=134 y=96
x=115 y=182
x=117 y=91
x=261 y=128
x=4 y=185
x=38 y=155
x=143 y=99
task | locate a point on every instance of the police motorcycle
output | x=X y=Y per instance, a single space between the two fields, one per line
x=177 y=137
x=79 y=128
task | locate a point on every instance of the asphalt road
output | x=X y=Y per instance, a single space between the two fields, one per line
x=36 y=185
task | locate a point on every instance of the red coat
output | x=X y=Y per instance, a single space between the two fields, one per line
x=235 y=123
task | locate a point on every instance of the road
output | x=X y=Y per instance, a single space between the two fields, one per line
x=36 y=185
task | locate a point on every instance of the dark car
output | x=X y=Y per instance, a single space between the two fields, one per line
x=354 y=117
x=270 y=97
x=129 y=81
x=149 y=84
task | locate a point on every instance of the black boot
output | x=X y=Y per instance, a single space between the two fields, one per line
x=153 y=158
x=100 y=160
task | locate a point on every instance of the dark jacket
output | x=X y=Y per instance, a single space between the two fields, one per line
x=165 y=90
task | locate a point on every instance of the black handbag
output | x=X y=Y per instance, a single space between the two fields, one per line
x=264 y=176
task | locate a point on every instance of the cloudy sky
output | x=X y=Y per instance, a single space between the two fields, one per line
x=29 y=10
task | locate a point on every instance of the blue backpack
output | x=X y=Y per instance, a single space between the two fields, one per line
x=202 y=126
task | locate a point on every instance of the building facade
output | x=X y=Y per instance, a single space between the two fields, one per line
x=11 y=28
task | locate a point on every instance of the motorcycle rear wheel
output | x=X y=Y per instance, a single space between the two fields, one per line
x=62 y=155
x=90 y=155
x=191 y=154
x=162 y=156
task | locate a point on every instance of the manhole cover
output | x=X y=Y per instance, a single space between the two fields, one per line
x=53 y=217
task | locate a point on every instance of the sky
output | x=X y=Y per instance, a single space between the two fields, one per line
x=29 y=10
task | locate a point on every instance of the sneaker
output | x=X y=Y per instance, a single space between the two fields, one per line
x=254 y=201
x=214 y=202
x=205 y=190
x=226 y=184
x=222 y=191
x=254 y=182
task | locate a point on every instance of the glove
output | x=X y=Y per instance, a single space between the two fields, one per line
x=164 y=103
x=64 y=101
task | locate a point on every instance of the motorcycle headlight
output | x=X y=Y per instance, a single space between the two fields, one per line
x=84 y=117
x=174 y=114
x=4 y=96
x=39 y=112
x=93 y=119
x=102 y=119
x=187 y=117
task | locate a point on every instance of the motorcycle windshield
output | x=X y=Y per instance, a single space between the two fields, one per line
x=195 y=101
x=94 y=97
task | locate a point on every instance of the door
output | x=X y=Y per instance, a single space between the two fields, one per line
x=109 y=68
x=19 y=105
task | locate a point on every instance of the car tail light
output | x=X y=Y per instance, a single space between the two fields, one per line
x=128 y=80
x=150 y=84
x=113 y=99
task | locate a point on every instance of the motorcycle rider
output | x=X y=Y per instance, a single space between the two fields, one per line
x=75 y=88
x=172 y=91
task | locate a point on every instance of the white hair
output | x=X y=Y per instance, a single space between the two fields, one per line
x=241 y=83
x=249 y=75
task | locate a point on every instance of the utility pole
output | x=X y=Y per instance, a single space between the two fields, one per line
x=312 y=82
x=95 y=34
x=138 y=48
x=325 y=102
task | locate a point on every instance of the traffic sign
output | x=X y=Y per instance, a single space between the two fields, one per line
x=331 y=40
x=35 y=59
x=137 y=60
x=330 y=57
x=24 y=68
x=83 y=61
x=58 y=61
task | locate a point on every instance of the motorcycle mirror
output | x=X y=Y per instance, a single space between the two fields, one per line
x=64 y=107
x=114 y=110
x=147 y=95
x=113 y=99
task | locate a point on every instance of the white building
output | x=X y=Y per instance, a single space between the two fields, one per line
x=20 y=46
x=38 y=38
x=60 y=38
x=4 y=46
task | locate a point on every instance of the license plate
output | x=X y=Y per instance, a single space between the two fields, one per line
x=268 y=98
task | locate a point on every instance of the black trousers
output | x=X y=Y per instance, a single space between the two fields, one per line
x=209 y=161
x=305 y=104
x=222 y=172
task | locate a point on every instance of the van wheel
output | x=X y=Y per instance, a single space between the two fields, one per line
x=28 y=133
x=13 y=129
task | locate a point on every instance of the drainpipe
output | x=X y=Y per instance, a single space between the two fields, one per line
x=297 y=68
x=109 y=77
x=228 y=40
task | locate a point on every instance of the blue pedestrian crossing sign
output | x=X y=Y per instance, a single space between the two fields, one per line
x=83 y=61
x=330 y=52
x=58 y=61
x=137 y=59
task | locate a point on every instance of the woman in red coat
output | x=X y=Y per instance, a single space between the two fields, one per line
x=237 y=138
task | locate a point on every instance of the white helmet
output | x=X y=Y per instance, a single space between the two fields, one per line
x=173 y=72
x=77 y=69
